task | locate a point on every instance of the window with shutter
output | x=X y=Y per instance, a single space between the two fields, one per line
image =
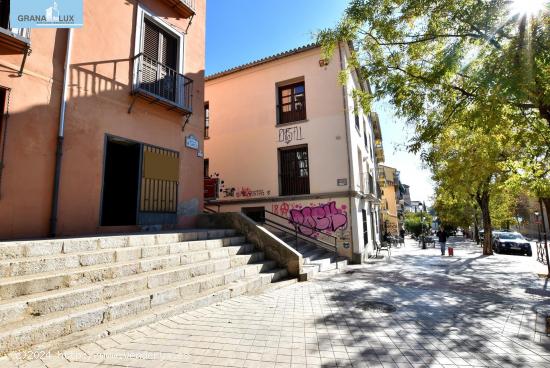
x=160 y=56
x=158 y=66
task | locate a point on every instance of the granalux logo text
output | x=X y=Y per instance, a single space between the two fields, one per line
x=46 y=13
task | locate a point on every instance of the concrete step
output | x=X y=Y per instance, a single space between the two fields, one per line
x=15 y=309
x=11 y=287
x=119 y=314
x=40 y=264
x=48 y=247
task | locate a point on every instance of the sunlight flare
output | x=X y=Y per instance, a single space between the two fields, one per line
x=529 y=7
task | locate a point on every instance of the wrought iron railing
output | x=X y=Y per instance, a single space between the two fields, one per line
x=542 y=253
x=189 y=3
x=163 y=84
x=296 y=232
x=21 y=32
x=211 y=210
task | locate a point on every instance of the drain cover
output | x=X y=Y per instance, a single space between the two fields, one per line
x=375 y=306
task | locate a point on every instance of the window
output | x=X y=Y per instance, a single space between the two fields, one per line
x=294 y=171
x=159 y=61
x=292 y=103
x=357 y=124
x=206 y=119
x=158 y=66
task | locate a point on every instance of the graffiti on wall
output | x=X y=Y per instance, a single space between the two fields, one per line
x=244 y=192
x=309 y=220
x=289 y=135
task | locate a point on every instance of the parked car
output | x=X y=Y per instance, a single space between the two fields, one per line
x=507 y=242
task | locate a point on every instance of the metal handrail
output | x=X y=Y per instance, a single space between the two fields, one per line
x=210 y=210
x=301 y=225
x=294 y=232
x=332 y=245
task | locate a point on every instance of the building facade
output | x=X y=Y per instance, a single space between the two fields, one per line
x=392 y=200
x=100 y=129
x=285 y=137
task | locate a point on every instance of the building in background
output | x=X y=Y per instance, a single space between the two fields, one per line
x=406 y=198
x=125 y=118
x=285 y=138
x=392 y=200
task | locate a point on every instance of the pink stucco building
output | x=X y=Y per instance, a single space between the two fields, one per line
x=120 y=101
x=285 y=139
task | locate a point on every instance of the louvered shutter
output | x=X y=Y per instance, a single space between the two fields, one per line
x=160 y=62
x=150 y=52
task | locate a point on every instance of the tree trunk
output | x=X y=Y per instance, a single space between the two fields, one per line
x=483 y=201
x=546 y=202
x=476 y=230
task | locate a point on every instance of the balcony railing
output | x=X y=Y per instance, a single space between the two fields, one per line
x=17 y=39
x=162 y=84
x=184 y=7
x=367 y=183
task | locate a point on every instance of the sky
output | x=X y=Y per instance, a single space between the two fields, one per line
x=240 y=31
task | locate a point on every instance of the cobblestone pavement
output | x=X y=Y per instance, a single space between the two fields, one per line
x=461 y=311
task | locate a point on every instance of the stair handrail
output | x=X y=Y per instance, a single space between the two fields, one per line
x=297 y=234
x=302 y=225
x=211 y=210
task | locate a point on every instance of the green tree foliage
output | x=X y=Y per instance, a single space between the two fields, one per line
x=427 y=54
x=415 y=225
x=474 y=80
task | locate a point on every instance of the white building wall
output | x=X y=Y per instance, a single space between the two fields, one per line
x=363 y=163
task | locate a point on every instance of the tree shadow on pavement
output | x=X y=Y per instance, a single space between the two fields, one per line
x=459 y=313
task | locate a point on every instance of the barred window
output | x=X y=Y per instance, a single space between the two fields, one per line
x=294 y=171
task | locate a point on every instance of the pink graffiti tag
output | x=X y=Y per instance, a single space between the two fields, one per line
x=323 y=217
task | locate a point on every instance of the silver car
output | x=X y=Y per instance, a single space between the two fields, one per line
x=511 y=243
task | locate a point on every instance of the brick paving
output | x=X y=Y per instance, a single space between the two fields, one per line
x=462 y=311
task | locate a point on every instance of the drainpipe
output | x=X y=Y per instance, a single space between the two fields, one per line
x=348 y=145
x=60 y=136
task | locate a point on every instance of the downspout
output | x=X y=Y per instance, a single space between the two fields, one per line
x=350 y=171
x=60 y=137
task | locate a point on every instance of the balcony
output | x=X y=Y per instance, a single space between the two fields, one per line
x=185 y=8
x=15 y=39
x=379 y=151
x=163 y=85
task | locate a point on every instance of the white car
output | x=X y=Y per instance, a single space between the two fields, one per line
x=507 y=242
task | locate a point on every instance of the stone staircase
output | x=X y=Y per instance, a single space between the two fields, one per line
x=316 y=258
x=55 y=294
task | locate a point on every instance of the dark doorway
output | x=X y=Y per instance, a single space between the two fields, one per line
x=120 y=183
x=255 y=213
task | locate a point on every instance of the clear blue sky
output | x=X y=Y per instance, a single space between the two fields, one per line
x=240 y=31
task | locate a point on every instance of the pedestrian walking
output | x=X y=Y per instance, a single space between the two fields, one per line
x=442 y=237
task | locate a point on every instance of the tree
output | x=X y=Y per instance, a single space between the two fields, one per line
x=470 y=159
x=416 y=223
x=440 y=61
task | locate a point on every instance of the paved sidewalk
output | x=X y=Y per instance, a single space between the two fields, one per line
x=462 y=311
